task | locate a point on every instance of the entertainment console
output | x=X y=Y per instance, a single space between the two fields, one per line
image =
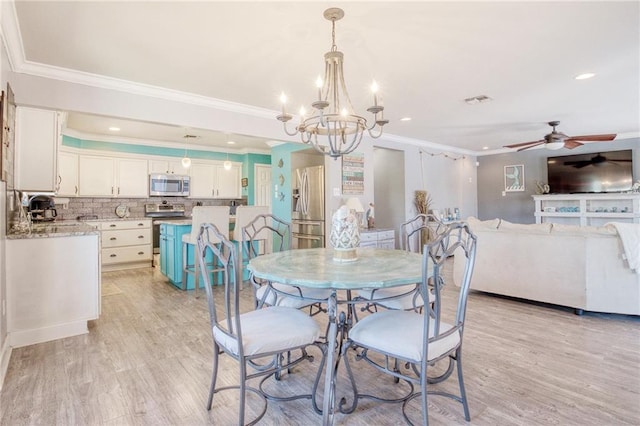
x=587 y=209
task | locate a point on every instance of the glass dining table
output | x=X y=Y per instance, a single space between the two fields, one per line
x=316 y=269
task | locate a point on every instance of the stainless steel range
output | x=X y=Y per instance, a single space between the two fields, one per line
x=162 y=211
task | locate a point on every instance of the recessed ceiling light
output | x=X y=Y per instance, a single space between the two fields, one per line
x=231 y=142
x=477 y=99
x=114 y=129
x=405 y=119
x=584 y=76
x=485 y=147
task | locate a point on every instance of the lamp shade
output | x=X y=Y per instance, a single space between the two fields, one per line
x=355 y=205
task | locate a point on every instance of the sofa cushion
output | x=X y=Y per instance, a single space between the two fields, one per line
x=558 y=228
x=475 y=223
x=533 y=228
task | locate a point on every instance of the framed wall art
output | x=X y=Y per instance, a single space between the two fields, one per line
x=514 y=178
x=353 y=174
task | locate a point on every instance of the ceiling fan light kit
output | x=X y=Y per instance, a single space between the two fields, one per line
x=558 y=140
x=333 y=116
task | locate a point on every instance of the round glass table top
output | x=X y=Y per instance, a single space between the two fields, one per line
x=315 y=268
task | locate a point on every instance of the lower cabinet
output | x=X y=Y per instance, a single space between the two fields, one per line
x=379 y=238
x=126 y=244
x=53 y=287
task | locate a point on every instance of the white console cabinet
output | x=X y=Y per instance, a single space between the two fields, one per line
x=380 y=238
x=587 y=209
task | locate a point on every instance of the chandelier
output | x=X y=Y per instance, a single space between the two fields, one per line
x=333 y=115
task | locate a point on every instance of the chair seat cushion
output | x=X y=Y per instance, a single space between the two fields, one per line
x=403 y=303
x=273 y=329
x=275 y=299
x=399 y=333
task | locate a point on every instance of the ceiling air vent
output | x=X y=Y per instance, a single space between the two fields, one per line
x=477 y=100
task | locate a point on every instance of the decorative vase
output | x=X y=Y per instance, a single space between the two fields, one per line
x=345 y=235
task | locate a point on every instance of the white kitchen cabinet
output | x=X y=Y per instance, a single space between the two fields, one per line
x=57 y=300
x=168 y=166
x=67 y=174
x=100 y=176
x=126 y=244
x=214 y=181
x=37 y=139
x=132 y=178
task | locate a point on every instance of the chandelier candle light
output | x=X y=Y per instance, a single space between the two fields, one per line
x=333 y=115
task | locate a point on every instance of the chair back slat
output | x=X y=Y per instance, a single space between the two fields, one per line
x=211 y=240
x=266 y=233
x=456 y=240
x=417 y=232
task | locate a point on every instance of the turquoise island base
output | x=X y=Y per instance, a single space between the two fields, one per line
x=171 y=255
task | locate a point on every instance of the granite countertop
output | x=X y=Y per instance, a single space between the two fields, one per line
x=54 y=229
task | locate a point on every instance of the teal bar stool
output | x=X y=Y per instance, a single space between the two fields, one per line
x=217 y=215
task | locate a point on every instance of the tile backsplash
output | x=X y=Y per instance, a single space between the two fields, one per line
x=105 y=208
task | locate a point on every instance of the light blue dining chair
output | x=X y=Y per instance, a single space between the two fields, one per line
x=414 y=234
x=419 y=339
x=257 y=339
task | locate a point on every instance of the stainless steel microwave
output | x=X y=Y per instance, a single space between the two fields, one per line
x=167 y=185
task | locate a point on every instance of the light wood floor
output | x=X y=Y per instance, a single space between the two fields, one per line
x=146 y=361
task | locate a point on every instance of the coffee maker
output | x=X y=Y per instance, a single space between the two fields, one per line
x=42 y=208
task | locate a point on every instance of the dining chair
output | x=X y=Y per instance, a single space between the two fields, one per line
x=267 y=233
x=257 y=339
x=219 y=216
x=414 y=234
x=420 y=339
x=244 y=215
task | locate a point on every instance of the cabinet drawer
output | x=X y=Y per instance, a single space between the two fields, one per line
x=367 y=237
x=125 y=224
x=126 y=254
x=125 y=237
x=386 y=235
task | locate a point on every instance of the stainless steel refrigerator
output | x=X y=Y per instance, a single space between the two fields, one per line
x=308 y=208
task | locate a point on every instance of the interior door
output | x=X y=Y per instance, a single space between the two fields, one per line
x=262 y=185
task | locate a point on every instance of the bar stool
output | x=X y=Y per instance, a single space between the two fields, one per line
x=219 y=216
x=244 y=215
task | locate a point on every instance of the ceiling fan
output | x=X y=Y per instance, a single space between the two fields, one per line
x=596 y=161
x=558 y=140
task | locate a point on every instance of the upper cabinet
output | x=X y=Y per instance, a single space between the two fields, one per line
x=173 y=167
x=67 y=174
x=214 y=181
x=38 y=133
x=112 y=177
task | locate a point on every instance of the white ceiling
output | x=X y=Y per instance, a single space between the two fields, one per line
x=427 y=57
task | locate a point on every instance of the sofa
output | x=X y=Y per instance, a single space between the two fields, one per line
x=580 y=267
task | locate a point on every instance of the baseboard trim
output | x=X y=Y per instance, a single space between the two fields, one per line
x=39 y=335
x=5 y=356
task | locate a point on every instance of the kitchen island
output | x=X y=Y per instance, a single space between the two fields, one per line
x=171 y=251
x=53 y=281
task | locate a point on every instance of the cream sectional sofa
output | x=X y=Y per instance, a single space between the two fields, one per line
x=579 y=267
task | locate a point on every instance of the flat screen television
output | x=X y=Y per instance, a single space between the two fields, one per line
x=596 y=172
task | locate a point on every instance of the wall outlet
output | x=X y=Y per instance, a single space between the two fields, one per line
x=336 y=192
x=504 y=193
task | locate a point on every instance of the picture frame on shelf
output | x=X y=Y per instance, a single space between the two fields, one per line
x=514 y=178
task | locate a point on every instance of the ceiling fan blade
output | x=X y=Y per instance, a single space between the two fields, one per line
x=518 y=145
x=570 y=144
x=594 y=138
x=531 y=145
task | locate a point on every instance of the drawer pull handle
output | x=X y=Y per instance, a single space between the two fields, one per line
x=141 y=224
x=141 y=236
x=113 y=225
x=113 y=238
x=140 y=252
x=113 y=255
